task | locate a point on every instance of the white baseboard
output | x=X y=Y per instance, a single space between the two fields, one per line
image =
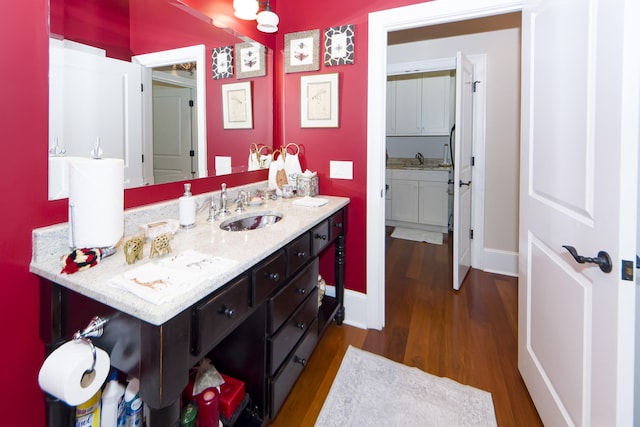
x=355 y=307
x=500 y=262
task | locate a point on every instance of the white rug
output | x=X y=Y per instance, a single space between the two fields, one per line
x=370 y=390
x=417 y=235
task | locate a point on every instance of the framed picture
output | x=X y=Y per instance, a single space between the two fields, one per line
x=250 y=60
x=302 y=51
x=222 y=62
x=236 y=106
x=319 y=101
x=339 y=45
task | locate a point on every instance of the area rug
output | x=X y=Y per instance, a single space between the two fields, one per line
x=417 y=235
x=370 y=390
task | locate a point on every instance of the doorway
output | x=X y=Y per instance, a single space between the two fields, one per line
x=435 y=46
x=380 y=24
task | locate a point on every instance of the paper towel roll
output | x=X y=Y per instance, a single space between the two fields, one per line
x=62 y=371
x=96 y=202
x=58 y=177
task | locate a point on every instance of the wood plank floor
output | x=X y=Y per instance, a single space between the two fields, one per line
x=469 y=335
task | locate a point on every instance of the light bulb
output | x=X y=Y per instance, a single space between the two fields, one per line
x=245 y=9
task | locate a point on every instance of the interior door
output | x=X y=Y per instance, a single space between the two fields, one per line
x=462 y=155
x=102 y=100
x=174 y=153
x=578 y=188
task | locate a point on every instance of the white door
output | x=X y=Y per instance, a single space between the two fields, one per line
x=97 y=97
x=578 y=187
x=174 y=151
x=462 y=153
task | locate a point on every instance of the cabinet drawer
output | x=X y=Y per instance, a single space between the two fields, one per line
x=298 y=252
x=214 y=318
x=267 y=277
x=293 y=329
x=320 y=237
x=336 y=224
x=282 y=304
x=281 y=385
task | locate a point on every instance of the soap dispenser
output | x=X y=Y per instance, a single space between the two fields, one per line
x=187 y=207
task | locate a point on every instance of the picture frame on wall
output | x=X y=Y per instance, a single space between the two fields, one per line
x=302 y=51
x=222 y=62
x=339 y=45
x=250 y=60
x=237 y=110
x=319 y=103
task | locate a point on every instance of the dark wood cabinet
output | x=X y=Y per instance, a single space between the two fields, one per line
x=261 y=327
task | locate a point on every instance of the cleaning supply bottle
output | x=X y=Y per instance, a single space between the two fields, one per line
x=187 y=208
x=112 y=410
x=133 y=404
x=88 y=413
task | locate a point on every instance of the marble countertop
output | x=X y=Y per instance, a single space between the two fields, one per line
x=243 y=248
x=413 y=164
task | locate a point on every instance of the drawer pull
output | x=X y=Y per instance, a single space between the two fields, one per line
x=300 y=360
x=301 y=325
x=301 y=291
x=272 y=276
x=228 y=312
x=320 y=236
x=301 y=254
x=337 y=224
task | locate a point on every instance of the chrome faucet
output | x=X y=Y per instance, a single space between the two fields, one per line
x=213 y=210
x=420 y=158
x=241 y=201
x=223 y=201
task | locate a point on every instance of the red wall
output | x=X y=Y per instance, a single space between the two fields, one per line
x=349 y=140
x=23 y=169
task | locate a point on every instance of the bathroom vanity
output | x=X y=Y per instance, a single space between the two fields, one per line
x=258 y=321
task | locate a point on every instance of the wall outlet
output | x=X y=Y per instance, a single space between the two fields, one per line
x=340 y=169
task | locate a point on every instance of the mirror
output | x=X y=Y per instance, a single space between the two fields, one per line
x=173 y=43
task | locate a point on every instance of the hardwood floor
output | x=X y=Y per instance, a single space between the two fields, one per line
x=469 y=336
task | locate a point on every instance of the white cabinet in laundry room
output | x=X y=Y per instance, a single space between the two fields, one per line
x=420 y=198
x=420 y=104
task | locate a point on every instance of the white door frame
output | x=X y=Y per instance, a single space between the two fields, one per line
x=380 y=24
x=169 y=57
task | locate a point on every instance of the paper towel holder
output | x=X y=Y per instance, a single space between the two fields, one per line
x=94 y=329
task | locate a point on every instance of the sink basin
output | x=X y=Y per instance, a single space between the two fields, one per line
x=251 y=221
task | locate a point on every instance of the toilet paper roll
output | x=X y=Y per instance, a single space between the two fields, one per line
x=61 y=373
x=96 y=202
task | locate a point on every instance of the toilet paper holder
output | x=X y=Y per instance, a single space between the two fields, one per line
x=94 y=329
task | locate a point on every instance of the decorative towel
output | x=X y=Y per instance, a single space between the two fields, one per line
x=311 y=202
x=159 y=282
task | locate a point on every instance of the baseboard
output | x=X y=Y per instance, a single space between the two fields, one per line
x=355 y=307
x=500 y=262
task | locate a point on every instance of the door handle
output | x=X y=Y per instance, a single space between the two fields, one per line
x=465 y=183
x=603 y=259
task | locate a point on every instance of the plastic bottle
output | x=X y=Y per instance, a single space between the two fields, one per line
x=133 y=404
x=187 y=208
x=88 y=413
x=112 y=412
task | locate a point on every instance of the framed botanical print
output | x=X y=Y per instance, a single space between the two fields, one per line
x=222 y=62
x=302 y=51
x=237 y=110
x=250 y=60
x=319 y=101
x=339 y=45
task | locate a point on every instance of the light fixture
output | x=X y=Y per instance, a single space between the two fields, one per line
x=267 y=20
x=248 y=10
x=245 y=9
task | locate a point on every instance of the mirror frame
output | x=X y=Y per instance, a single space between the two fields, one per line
x=169 y=57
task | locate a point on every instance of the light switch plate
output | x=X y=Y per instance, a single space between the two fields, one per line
x=223 y=165
x=340 y=169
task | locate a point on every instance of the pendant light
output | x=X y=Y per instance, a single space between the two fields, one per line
x=267 y=20
x=245 y=9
